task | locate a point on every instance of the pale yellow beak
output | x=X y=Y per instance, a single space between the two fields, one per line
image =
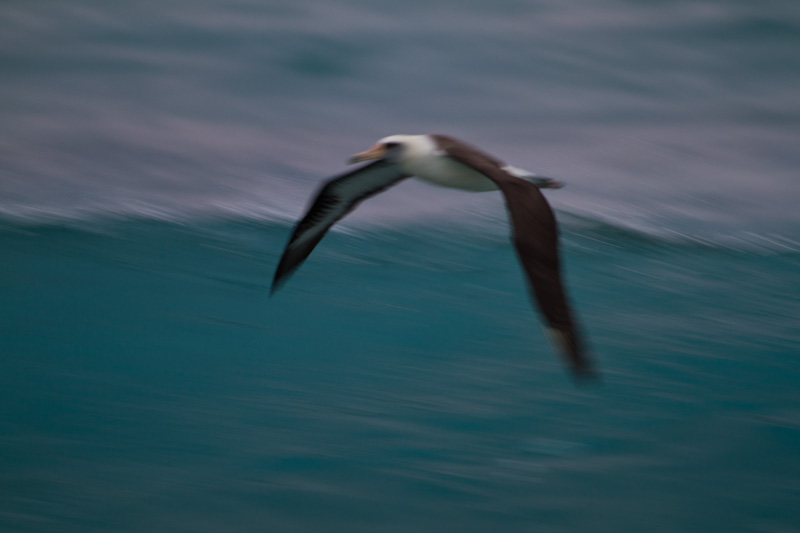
x=376 y=152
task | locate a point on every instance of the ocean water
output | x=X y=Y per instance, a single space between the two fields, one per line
x=153 y=160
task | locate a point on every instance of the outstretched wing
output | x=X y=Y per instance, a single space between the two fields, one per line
x=535 y=234
x=336 y=198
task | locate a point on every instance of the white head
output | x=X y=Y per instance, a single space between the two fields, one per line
x=395 y=148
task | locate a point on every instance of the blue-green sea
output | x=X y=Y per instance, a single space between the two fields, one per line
x=154 y=157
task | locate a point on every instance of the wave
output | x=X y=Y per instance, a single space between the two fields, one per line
x=581 y=230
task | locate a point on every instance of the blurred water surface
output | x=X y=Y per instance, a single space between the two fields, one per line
x=153 y=157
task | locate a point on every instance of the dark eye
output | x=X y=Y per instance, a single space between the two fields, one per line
x=391 y=145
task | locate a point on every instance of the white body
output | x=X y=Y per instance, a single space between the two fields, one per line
x=448 y=173
x=422 y=159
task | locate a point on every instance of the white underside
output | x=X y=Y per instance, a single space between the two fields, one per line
x=423 y=160
x=447 y=172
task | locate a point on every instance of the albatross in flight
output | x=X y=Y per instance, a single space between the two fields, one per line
x=448 y=162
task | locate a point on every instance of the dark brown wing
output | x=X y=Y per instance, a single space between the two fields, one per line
x=336 y=198
x=535 y=234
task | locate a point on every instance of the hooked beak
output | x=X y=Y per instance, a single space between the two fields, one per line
x=376 y=152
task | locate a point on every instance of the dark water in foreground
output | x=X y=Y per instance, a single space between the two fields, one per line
x=149 y=384
x=153 y=156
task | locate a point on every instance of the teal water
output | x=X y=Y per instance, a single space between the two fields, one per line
x=149 y=383
x=154 y=157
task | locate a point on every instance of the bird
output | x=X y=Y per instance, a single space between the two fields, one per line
x=448 y=162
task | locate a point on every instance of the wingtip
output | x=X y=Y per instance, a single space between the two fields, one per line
x=585 y=376
x=280 y=277
x=276 y=285
x=578 y=361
